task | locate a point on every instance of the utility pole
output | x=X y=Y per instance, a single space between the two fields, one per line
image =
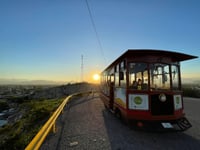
x=81 y=68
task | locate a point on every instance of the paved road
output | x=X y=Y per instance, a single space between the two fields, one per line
x=87 y=125
x=192 y=110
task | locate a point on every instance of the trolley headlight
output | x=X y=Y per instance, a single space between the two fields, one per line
x=162 y=97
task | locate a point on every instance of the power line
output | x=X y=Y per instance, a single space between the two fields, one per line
x=95 y=30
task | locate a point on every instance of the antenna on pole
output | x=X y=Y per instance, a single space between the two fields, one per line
x=81 y=68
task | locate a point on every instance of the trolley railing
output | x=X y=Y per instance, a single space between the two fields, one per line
x=49 y=125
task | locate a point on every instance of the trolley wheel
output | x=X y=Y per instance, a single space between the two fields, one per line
x=106 y=107
x=118 y=114
x=124 y=120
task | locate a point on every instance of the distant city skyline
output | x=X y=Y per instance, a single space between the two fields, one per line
x=45 y=40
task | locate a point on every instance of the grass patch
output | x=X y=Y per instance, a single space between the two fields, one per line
x=3 y=105
x=35 y=114
x=191 y=90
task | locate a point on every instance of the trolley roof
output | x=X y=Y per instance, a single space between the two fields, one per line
x=174 y=56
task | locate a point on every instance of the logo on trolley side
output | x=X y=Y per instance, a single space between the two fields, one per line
x=138 y=100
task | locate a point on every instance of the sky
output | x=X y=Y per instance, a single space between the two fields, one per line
x=46 y=39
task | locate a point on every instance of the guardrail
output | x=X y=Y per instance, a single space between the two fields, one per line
x=49 y=125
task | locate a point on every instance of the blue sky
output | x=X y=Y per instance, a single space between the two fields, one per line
x=44 y=39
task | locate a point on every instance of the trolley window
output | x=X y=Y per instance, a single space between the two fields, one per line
x=175 y=77
x=117 y=75
x=138 y=76
x=160 y=76
x=122 y=74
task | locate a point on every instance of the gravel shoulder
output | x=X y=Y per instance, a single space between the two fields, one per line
x=86 y=124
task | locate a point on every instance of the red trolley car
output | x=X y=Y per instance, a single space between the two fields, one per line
x=144 y=87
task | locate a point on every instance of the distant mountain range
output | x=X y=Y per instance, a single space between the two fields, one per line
x=48 y=82
x=191 y=80
x=29 y=82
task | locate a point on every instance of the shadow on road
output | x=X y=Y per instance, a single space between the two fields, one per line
x=122 y=137
x=80 y=101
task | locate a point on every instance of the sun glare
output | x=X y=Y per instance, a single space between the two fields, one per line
x=96 y=77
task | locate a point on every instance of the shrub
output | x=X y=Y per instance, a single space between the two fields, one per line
x=3 y=105
x=191 y=92
x=19 y=135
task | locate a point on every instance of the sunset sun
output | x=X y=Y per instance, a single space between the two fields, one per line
x=96 y=77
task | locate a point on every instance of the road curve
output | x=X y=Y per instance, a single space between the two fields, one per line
x=87 y=125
